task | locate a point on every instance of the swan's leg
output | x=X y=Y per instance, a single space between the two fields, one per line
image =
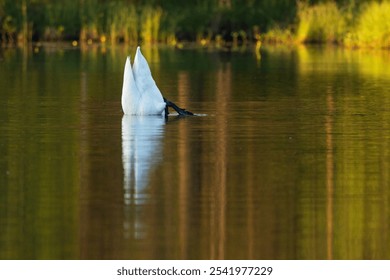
x=166 y=108
x=180 y=111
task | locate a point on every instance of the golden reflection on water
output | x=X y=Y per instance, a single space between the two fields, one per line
x=357 y=163
x=185 y=169
x=290 y=162
x=218 y=222
x=329 y=173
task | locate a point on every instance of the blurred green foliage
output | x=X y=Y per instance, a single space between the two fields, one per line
x=150 y=21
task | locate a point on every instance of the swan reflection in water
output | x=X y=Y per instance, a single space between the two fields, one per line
x=141 y=152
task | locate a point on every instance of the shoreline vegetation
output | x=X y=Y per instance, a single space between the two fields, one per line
x=221 y=23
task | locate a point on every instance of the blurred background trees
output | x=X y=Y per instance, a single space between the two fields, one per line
x=170 y=21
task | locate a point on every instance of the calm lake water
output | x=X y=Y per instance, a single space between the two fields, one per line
x=290 y=158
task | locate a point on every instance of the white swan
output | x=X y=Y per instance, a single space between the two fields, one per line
x=140 y=94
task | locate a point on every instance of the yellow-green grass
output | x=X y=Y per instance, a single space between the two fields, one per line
x=320 y=23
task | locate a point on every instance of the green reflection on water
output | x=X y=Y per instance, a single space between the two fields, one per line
x=291 y=161
x=39 y=166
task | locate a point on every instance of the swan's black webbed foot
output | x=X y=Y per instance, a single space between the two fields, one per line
x=180 y=111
